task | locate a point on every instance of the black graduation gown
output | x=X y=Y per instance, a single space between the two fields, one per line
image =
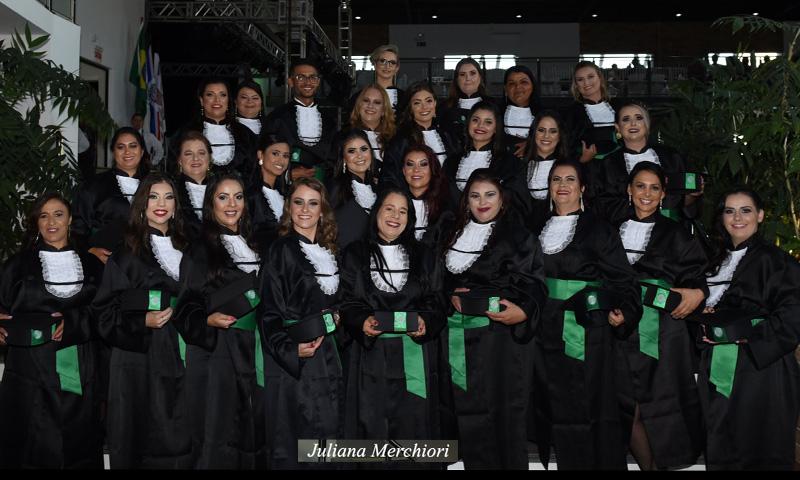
x=392 y=168
x=535 y=211
x=304 y=396
x=665 y=388
x=148 y=426
x=263 y=219
x=492 y=412
x=380 y=405
x=434 y=232
x=43 y=426
x=755 y=428
x=192 y=224
x=352 y=219
x=456 y=117
x=226 y=410
x=586 y=426
x=100 y=212
x=244 y=154
x=511 y=141
x=611 y=194
x=283 y=121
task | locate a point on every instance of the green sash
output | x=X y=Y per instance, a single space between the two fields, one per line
x=651 y=317
x=67 y=365
x=723 y=360
x=457 y=356
x=413 y=364
x=601 y=156
x=574 y=335
x=248 y=323
x=154 y=304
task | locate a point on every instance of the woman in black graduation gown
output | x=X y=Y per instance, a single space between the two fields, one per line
x=352 y=191
x=265 y=196
x=662 y=395
x=194 y=164
x=230 y=140
x=520 y=108
x=217 y=318
x=391 y=385
x=484 y=149
x=749 y=378
x=612 y=203
x=547 y=143
x=419 y=124
x=102 y=205
x=430 y=195
x=584 y=262
x=497 y=285
x=249 y=105
x=386 y=61
x=373 y=114
x=466 y=89
x=48 y=396
x=147 y=421
x=304 y=381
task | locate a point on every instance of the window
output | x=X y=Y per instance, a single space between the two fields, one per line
x=362 y=62
x=491 y=62
x=758 y=57
x=621 y=60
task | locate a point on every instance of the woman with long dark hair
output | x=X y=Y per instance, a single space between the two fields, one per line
x=147 y=422
x=304 y=382
x=661 y=400
x=269 y=184
x=749 y=333
x=520 y=108
x=496 y=283
x=194 y=167
x=48 y=394
x=466 y=89
x=547 y=143
x=393 y=307
x=217 y=317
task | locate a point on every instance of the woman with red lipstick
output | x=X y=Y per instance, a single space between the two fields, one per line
x=593 y=302
x=265 y=196
x=48 y=395
x=496 y=282
x=419 y=125
x=390 y=387
x=134 y=306
x=749 y=378
x=373 y=114
x=612 y=201
x=194 y=165
x=353 y=190
x=430 y=195
x=217 y=318
x=660 y=398
x=466 y=89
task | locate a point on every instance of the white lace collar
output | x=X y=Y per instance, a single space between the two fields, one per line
x=326 y=271
x=557 y=233
x=374 y=143
x=434 y=140
x=128 y=186
x=242 y=255
x=274 y=200
x=468 y=103
x=196 y=194
x=309 y=124
x=601 y=114
x=635 y=237
x=395 y=270
x=392 y=92
x=421 y=224
x=719 y=283
x=469 y=246
x=254 y=124
x=518 y=121
x=62 y=272
x=538 y=171
x=222 y=143
x=649 y=155
x=364 y=195
x=474 y=160
x=168 y=257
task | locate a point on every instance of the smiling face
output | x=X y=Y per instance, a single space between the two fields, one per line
x=646 y=193
x=371 y=108
x=741 y=217
x=482 y=127
x=566 y=189
x=305 y=208
x=423 y=108
x=194 y=159
x=519 y=89
x=53 y=223
x=485 y=201
x=392 y=217
x=215 y=101
x=127 y=153
x=417 y=171
x=304 y=82
x=248 y=103
x=160 y=206
x=274 y=160
x=229 y=204
x=386 y=66
x=546 y=137
x=634 y=124
x=357 y=156
x=588 y=83
x=468 y=79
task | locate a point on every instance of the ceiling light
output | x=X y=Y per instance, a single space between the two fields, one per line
x=519 y=16
x=678 y=14
x=594 y=15
x=434 y=17
x=358 y=18
x=755 y=14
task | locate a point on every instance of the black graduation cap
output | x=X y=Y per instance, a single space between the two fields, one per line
x=400 y=322
x=312 y=326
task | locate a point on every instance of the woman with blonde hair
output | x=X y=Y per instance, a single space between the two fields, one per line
x=373 y=114
x=386 y=61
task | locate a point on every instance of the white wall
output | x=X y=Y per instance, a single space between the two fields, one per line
x=112 y=25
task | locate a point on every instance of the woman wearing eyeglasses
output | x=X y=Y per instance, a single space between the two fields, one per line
x=386 y=60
